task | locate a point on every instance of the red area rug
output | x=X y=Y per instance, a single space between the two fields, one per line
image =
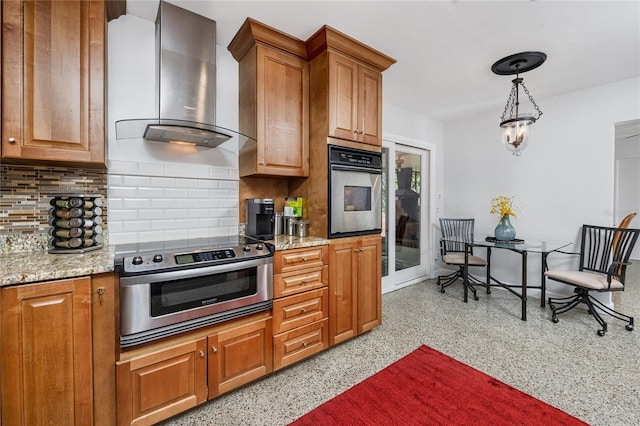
x=428 y=387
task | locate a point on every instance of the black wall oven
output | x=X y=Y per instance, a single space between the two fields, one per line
x=355 y=192
x=168 y=292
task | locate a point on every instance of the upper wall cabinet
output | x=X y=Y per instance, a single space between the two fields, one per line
x=346 y=88
x=53 y=65
x=274 y=101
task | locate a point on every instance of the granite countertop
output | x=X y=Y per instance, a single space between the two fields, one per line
x=30 y=267
x=287 y=242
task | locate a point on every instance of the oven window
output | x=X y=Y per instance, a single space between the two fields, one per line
x=179 y=295
x=357 y=198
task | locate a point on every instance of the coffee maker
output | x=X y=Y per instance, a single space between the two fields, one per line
x=260 y=216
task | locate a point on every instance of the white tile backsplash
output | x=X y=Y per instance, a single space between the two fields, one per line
x=152 y=208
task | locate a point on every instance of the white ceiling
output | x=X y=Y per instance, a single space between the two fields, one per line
x=445 y=49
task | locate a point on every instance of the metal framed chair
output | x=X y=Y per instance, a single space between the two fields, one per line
x=455 y=233
x=604 y=256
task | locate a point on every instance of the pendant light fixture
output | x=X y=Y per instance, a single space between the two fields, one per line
x=516 y=125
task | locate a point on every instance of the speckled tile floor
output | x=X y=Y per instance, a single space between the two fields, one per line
x=566 y=364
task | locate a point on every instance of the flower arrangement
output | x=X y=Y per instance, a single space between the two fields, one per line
x=504 y=205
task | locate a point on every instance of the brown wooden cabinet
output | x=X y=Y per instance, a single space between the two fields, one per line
x=239 y=355
x=345 y=89
x=355 y=286
x=274 y=101
x=58 y=342
x=355 y=100
x=46 y=344
x=53 y=74
x=301 y=304
x=162 y=379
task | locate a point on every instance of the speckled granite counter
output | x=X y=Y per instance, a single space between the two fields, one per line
x=287 y=242
x=30 y=267
x=23 y=268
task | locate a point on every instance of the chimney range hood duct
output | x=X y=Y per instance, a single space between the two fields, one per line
x=185 y=84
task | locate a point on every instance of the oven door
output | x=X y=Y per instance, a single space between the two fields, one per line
x=157 y=305
x=356 y=201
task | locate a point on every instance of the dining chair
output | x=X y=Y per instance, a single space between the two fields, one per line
x=604 y=257
x=455 y=233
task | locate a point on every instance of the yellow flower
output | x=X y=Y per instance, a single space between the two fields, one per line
x=504 y=205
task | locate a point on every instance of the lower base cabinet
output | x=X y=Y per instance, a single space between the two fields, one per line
x=355 y=286
x=57 y=343
x=167 y=378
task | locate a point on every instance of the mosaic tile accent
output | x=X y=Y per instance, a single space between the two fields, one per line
x=24 y=201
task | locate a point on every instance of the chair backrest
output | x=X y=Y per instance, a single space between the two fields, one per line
x=601 y=246
x=624 y=223
x=460 y=230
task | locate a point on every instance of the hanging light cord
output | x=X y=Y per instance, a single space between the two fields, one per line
x=513 y=100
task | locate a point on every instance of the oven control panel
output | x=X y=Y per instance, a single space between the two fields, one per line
x=147 y=263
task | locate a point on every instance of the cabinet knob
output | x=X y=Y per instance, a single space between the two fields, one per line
x=214 y=349
x=262 y=163
x=201 y=354
x=360 y=132
x=303 y=310
x=12 y=140
x=304 y=344
x=304 y=259
x=355 y=132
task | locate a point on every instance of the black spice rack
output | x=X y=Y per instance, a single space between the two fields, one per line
x=76 y=223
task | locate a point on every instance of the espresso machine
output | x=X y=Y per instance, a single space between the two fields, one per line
x=260 y=216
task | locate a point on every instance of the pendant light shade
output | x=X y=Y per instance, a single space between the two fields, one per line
x=516 y=126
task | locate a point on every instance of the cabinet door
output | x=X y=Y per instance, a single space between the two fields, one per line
x=343 y=291
x=46 y=353
x=369 y=283
x=369 y=106
x=282 y=114
x=239 y=355
x=343 y=97
x=53 y=81
x=156 y=386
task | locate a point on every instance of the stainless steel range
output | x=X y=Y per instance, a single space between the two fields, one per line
x=175 y=286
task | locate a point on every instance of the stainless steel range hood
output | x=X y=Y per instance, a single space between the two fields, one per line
x=185 y=84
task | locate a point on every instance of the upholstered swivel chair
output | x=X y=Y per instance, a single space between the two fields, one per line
x=604 y=256
x=455 y=232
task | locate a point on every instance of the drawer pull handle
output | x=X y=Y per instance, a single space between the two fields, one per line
x=214 y=349
x=304 y=259
x=303 y=310
x=304 y=344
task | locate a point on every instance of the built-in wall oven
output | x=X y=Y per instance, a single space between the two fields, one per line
x=170 y=287
x=355 y=192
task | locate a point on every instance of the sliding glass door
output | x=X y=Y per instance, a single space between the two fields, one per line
x=405 y=215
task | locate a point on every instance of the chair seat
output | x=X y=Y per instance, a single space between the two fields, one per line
x=585 y=279
x=458 y=259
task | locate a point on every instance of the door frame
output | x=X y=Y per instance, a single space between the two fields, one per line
x=393 y=280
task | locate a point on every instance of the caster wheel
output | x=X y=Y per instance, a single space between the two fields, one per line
x=442 y=290
x=629 y=327
x=476 y=298
x=600 y=333
x=554 y=319
x=552 y=307
x=488 y=291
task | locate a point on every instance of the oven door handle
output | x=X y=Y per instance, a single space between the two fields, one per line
x=373 y=171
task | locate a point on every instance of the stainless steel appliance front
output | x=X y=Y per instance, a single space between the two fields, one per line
x=355 y=189
x=169 y=293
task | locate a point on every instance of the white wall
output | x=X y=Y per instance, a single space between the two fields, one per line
x=564 y=179
x=159 y=191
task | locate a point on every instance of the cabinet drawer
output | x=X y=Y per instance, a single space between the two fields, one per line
x=300 y=343
x=296 y=259
x=300 y=309
x=296 y=282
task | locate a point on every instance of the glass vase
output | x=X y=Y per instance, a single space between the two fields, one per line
x=504 y=231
